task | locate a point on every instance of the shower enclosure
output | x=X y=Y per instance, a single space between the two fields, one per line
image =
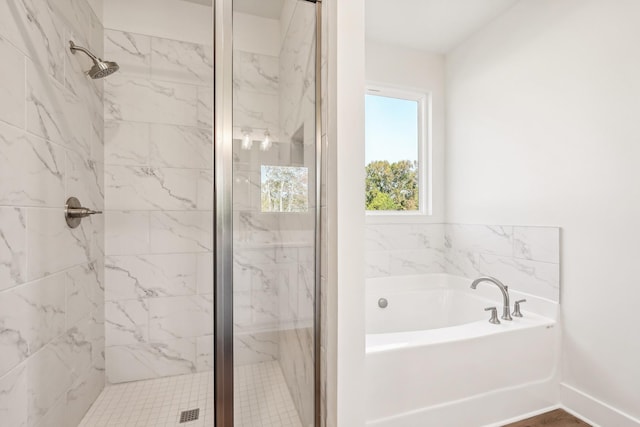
x=267 y=216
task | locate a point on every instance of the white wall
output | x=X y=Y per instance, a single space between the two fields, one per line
x=344 y=219
x=410 y=69
x=542 y=129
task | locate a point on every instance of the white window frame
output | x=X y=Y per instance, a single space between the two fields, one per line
x=425 y=167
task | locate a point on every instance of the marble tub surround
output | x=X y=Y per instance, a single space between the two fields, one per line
x=51 y=277
x=525 y=258
x=158 y=198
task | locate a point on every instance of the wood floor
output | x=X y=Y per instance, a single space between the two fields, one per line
x=557 y=418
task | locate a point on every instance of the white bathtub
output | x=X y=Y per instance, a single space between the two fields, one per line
x=433 y=359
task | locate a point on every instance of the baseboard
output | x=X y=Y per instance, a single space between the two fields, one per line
x=524 y=416
x=592 y=410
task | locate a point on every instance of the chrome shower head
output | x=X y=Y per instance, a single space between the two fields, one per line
x=100 y=68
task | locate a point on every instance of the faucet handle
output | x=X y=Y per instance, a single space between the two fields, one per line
x=516 y=308
x=494 y=315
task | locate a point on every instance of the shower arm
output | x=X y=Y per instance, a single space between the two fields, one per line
x=75 y=47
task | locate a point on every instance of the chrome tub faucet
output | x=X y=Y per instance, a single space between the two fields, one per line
x=506 y=315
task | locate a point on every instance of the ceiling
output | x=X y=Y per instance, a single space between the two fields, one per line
x=429 y=25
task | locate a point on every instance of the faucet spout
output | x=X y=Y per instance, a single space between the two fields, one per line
x=506 y=314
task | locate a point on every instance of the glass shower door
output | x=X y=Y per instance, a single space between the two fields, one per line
x=273 y=212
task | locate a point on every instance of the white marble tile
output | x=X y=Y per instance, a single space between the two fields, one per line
x=144 y=188
x=144 y=100
x=32 y=27
x=37 y=179
x=85 y=181
x=255 y=72
x=55 y=114
x=204 y=355
x=377 y=264
x=255 y=347
x=255 y=110
x=80 y=18
x=12 y=76
x=180 y=147
x=74 y=348
x=47 y=233
x=306 y=295
x=180 y=317
x=13 y=397
x=172 y=232
x=460 y=263
x=136 y=276
x=205 y=106
x=13 y=247
x=537 y=243
x=416 y=262
x=205 y=190
x=55 y=415
x=126 y=233
x=404 y=236
x=76 y=80
x=131 y=51
x=82 y=395
x=32 y=315
x=126 y=322
x=126 y=143
x=145 y=361
x=537 y=278
x=205 y=277
x=84 y=292
x=487 y=239
x=181 y=61
x=50 y=363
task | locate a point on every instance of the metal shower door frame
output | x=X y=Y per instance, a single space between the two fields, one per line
x=223 y=213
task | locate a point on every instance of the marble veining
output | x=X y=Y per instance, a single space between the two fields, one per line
x=181 y=61
x=51 y=286
x=13 y=247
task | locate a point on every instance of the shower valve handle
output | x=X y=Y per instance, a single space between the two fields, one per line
x=74 y=212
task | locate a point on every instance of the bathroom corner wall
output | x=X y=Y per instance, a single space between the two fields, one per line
x=51 y=147
x=159 y=201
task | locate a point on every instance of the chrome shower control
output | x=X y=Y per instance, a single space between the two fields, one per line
x=74 y=212
x=516 y=308
x=494 y=315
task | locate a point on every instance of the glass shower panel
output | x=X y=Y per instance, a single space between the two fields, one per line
x=274 y=201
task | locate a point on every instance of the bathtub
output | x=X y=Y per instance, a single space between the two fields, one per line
x=433 y=359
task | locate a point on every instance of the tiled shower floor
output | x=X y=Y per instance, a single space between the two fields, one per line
x=262 y=399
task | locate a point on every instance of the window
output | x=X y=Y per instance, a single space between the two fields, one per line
x=284 y=189
x=395 y=152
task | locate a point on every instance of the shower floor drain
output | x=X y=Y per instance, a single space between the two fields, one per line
x=190 y=415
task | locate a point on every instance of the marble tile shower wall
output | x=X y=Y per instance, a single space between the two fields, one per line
x=260 y=262
x=297 y=117
x=525 y=258
x=158 y=198
x=51 y=147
